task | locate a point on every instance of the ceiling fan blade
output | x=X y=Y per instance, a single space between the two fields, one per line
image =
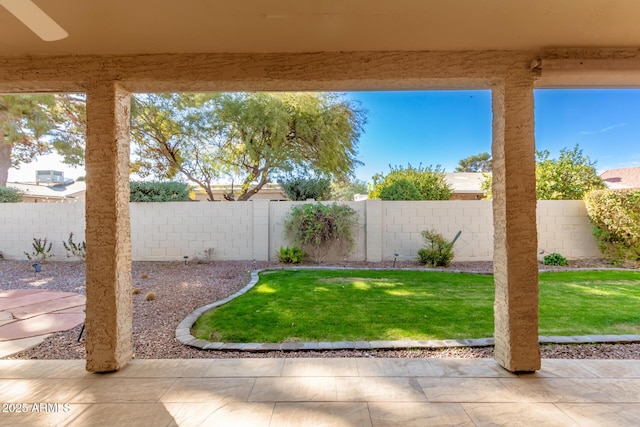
x=34 y=18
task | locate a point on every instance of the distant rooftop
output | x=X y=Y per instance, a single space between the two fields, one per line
x=622 y=178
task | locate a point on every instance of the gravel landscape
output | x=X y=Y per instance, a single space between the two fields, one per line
x=180 y=288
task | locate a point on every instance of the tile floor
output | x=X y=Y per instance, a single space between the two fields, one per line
x=320 y=392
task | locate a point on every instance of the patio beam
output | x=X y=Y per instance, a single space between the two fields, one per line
x=109 y=302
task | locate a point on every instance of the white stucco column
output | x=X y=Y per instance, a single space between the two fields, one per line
x=514 y=219
x=109 y=341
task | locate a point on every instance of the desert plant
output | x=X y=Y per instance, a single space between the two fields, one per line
x=151 y=296
x=555 y=259
x=301 y=189
x=317 y=228
x=208 y=254
x=402 y=189
x=136 y=291
x=10 y=195
x=41 y=250
x=438 y=252
x=75 y=249
x=291 y=255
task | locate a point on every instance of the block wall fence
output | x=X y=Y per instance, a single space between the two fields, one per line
x=253 y=230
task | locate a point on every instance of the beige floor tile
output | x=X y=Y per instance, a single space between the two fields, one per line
x=241 y=414
x=330 y=367
x=320 y=414
x=53 y=416
x=561 y=368
x=377 y=389
x=391 y=414
x=376 y=367
x=485 y=368
x=25 y=369
x=612 y=368
x=124 y=414
x=7 y=348
x=42 y=390
x=554 y=390
x=603 y=414
x=166 y=368
x=294 y=389
x=209 y=390
x=112 y=390
x=192 y=414
x=227 y=368
x=517 y=415
x=466 y=390
x=616 y=390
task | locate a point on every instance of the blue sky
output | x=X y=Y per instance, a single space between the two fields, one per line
x=442 y=127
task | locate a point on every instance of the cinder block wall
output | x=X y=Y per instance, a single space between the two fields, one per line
x=255 y=229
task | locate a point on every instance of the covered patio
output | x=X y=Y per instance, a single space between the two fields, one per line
x=117 y=48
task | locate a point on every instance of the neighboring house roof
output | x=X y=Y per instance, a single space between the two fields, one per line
x=622 y=178
x=465 y=182
x=70 y=191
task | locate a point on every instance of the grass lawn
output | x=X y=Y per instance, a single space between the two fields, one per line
x=350 y=305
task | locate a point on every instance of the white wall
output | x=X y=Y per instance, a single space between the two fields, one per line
x=254 y=229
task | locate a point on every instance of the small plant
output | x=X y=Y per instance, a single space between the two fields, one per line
x=41 y=250
x=291 y=255
x=78 y=250
x=208 y=254
x=555 y=259
x=10 y=195
x=144 y=276
x=136 y=291
x=151 y=296
x=439 y=251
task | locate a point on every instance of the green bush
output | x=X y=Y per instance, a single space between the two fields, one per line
x=429 y=181
x=159 y=192
x=401 y=190
x=78 y=250
x=301 y=189
x=555 y=259
x=10 y=195
x=41 y=250
x=615 y=215
x=438 y=252
x=317 y=228
x=291 y=255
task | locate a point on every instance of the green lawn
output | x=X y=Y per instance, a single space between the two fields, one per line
x=349 y=305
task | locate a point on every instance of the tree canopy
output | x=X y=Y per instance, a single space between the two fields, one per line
x=568 y=177
x=476 y=163
x=244 y=137
x=429 y=182
x=32 y=125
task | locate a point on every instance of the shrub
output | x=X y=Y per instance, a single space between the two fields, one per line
x=41 y=250
x=75 y=249
x=429 y=181
x=301 y=189
x=158 y=192
x=615 y=215
x=151 y=296
x=291 y=255
x=555 y=259
x=401 y=190
x=438 y=252
x=10 y=195
x=317 y=228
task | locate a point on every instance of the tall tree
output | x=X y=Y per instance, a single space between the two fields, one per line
x=248 y=137
x=23 y=122
x=477 y=163
x=32 y=125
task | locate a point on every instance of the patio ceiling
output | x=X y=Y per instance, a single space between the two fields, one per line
x=200 y=26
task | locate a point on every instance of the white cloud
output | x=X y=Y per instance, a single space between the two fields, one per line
x=603 y=130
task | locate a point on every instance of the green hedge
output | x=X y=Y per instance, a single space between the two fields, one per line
x=10 y=195
x=615 y=215
x=159 y=192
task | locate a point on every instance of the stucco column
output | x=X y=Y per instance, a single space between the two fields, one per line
x=514 y=219
x=108 y=235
